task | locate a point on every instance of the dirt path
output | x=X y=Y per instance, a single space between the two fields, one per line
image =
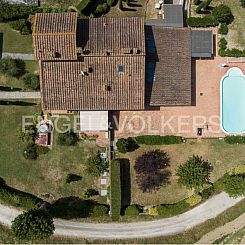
x=226 y=229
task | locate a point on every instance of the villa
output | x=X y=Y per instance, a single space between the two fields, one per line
x=141 y=76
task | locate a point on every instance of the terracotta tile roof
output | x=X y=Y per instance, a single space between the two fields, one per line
x=54 y=36
x=169 y=49
x=114 y=35
x=54 y=23
x=94 y=84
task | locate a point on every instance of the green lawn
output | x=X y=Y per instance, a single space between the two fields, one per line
x=222 y=156
x=47 y=173
x=14 y=42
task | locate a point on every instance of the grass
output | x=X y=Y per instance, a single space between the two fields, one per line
x=222 y=156
x=31 y=66
x=47 y=173
x=14 y=42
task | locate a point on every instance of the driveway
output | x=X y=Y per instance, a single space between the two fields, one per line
x=208 y=210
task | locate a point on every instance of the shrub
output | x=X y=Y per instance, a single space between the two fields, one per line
x=12 y=11
x=152 y=211
x=30 y=152
x=126 y=145
x=99 y=210
x=167 y=210
x=194 y=173
x=72 y=178
x=16 y=198
x=102 y=8
x=69 y=138
x=235 y=139
x=205 y=21
x=194 y=200
x=197 y=2
x=96 y=165
x=115 y=189
x=29 y=135
x=200 y=7
x=12 y=67
x=149 y=170
x=223 y=45
x=234 y=185
x=208 y=192
x=31 y=81
x=223 y=14
x=42 y=149
x=158 y=140
x=33 y=225
x=112 y=3
x=90 y=192
x=21 y=25
x=238 y=170
x=132 y=210
x=223 y=29
x=207 y=3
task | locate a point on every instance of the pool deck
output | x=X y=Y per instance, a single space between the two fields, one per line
x=184 y=120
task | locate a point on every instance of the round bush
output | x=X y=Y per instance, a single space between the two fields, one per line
x=223 y=14
x=33 y=225
x=99 y=210
x=132 y=210
x=30 y=152
x=206 y=193
x=234 y=185
x=102 y=8
x=68 y=138
x=126 y=145
x=31 y=81
x=223 y=29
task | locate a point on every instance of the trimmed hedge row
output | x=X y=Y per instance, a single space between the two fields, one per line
x=16 y=198
x=206 y=21
x=158 y=139
x=115 y=189
x=83 y=4
x=235 y=139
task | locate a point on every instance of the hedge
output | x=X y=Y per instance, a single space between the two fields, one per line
x=99 y=210
x=158 y=140
x=115 y=189
x=83 y=4
x=16 y=198
x=132 y=210
x=126 y=145
x=206 y=21
x=223 y=29
x=235 y=139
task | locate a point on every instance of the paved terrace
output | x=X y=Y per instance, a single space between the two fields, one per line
x=184 y=120
x=19 y=95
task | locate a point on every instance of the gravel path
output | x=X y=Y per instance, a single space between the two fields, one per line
x=208 y=210
x=19 y=56
x=19 y=95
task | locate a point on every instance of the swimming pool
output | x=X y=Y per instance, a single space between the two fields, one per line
x=232 y=88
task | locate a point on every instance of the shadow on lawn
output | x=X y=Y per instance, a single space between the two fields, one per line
x=17 y=103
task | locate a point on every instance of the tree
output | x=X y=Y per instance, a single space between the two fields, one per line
x=149 y=170
x=234 y=185
x=35 y=224
x=223 y=14
x=12 y=67
x=31 y=81
x=97 y=165
x=68 y=138
x=194 y=173
x=30 y=152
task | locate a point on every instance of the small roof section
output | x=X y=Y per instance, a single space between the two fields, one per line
x=55 y=23
x=202 y=43
x=93 y=120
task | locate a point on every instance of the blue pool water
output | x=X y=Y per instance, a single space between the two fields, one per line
x=233 y=102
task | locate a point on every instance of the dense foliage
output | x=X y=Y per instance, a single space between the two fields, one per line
x=194 y=200
x=194 y=173
x=132 y=210
x=115 y=189
x=205 y=21
x=112 y=3
x=96 y=165
x=223 y=14
x=68 y=139
x=149 y=168
x=31 y=81
x=126 y=145
x=99 y=210
x=12 y=67
x=234 y=185
x=203 y=5
x=223 y=29
x=158 y=140
x=30 y=152
x=12 y=11
x=33 y=225
x=72 y=178
x=234 y=139
x=21 y=25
